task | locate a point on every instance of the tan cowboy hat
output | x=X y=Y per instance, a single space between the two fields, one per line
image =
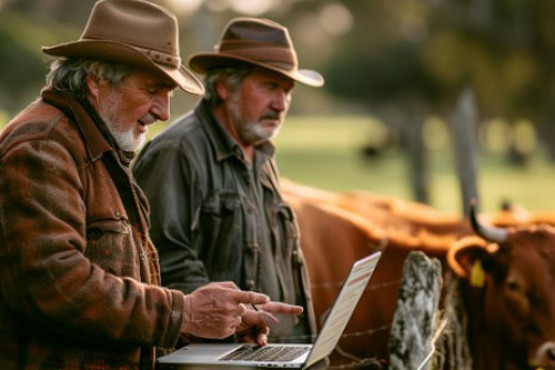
x=132 y=32
x=260 y=42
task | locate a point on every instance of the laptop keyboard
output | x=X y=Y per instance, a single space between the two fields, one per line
x=266 y=353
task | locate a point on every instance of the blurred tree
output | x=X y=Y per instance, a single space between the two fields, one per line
x=379 y=63
x=65 y=11
x=22 y=65
x=21 y=68
x=505 y=49
x=408 y=53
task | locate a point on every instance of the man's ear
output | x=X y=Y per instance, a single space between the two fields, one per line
x=93 y=84
x=222 y=89
x=466 y=258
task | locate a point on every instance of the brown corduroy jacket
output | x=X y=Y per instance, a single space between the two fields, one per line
x=78 y=274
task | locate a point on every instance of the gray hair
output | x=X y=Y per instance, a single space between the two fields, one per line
x=71 y=74
x=231 y=77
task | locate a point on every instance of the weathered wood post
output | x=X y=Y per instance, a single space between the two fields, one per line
x=415 y=316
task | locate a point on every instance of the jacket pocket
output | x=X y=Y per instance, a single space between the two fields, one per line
x=110 y=245
x=220 y=246
x=286 y=218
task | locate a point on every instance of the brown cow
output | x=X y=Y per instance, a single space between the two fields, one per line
x=387 y=213
x=335 y=232
x=508 y=291
x=333 y=237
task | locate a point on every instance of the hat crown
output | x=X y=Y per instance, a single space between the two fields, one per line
x=141 y=24
x=261 y=40
x=262 y=31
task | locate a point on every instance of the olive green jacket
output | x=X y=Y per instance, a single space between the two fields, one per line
x=216 y=217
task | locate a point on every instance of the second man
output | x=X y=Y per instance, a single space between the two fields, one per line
x=217 y=211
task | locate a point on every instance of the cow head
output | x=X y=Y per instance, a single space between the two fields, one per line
x=515 y=271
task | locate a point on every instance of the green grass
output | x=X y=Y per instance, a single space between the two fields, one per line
x=325 y=152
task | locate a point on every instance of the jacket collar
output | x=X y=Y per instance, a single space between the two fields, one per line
x=96 y=136
x=223 y=143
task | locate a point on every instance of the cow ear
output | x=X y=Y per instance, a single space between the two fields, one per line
x=467 y=258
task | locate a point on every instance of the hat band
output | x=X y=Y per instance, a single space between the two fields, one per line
x=283 y=58
x=260 y=52
x=160 y=57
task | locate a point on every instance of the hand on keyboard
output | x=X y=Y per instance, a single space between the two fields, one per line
x=254 y=326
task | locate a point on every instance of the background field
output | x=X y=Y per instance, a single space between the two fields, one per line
x=325 y=151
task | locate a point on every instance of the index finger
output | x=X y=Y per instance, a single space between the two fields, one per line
x=242 y=296
x=279 y=307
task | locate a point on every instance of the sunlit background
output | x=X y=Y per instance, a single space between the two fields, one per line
x=396 y=73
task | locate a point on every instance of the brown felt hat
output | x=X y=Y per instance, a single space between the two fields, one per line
x=259 y=42
x=133 y=32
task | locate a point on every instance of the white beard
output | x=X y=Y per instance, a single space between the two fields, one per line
x=126 y=140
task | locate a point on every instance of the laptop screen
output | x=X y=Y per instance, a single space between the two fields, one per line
x=343 y=308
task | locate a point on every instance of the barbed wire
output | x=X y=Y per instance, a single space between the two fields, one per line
x=369 y=287
x=344 y=335
x=356 y=363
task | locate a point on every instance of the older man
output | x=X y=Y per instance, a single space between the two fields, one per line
x=79 y=276
x=217 y=211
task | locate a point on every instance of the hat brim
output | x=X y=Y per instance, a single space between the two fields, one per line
x=203 y=62
x=123 y=53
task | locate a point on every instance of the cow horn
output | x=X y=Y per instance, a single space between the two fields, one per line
x=490 y=233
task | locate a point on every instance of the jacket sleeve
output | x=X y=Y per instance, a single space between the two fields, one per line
x=44 y=273
x=167 y=175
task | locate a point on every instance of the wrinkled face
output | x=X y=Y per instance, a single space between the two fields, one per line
x=130 y=106
x=257 y=109
x=520 y=301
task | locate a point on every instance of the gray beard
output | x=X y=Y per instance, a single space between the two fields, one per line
x=125 y=139
x=250 y=132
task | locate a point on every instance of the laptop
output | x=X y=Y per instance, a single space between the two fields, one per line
x=281 y=355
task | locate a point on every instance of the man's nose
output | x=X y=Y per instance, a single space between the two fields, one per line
x=161 y=107
x=280 y=101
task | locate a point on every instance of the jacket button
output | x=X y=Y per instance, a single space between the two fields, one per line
x=250 y=284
